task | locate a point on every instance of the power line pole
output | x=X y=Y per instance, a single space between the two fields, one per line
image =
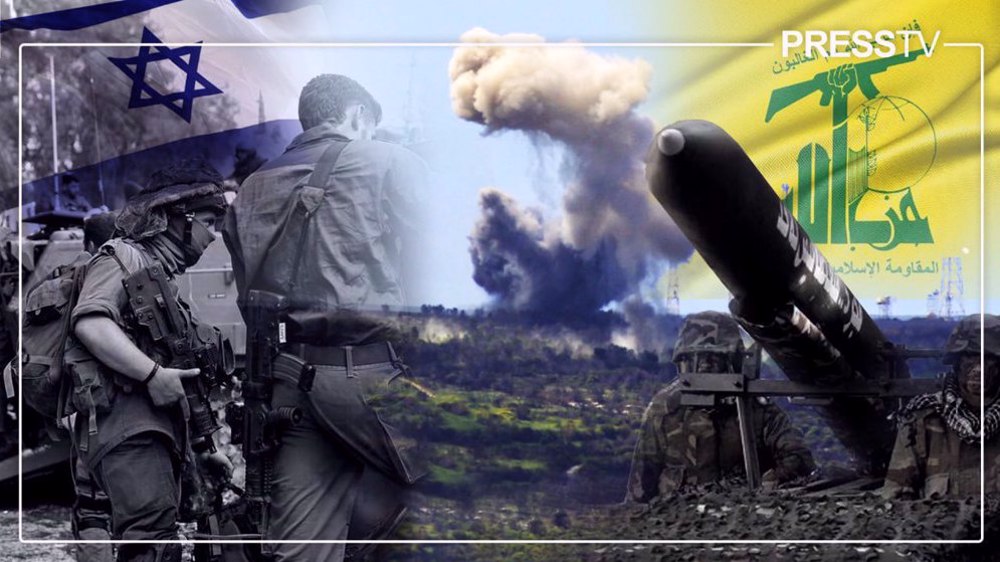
x=97 y=138
x=55 y=145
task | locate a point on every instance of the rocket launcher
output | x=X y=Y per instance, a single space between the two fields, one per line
x=785 y=294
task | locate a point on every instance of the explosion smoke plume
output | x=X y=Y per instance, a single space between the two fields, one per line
x=611 y=230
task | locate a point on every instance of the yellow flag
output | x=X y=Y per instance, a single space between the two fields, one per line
x=878 y=157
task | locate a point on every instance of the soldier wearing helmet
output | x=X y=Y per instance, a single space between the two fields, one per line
x=131 y=424
x=937 y=450
x=683 y=445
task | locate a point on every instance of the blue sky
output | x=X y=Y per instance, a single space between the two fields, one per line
x=446 y=20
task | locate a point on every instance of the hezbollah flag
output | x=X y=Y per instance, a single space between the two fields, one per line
x=877 y=157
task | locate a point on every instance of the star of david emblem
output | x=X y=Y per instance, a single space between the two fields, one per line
x=185 y=58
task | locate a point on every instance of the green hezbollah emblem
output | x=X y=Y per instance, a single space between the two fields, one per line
x=831 y=197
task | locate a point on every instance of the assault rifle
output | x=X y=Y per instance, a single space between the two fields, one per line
x=157 y=312
x=255 y=424
x=159 y=317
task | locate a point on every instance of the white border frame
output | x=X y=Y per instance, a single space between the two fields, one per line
x=982 y=291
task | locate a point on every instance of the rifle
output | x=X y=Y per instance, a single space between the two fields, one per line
x=255 y=424
x=155 y=310
x=822 y=82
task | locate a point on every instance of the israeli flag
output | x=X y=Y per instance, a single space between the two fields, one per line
x=113 y=114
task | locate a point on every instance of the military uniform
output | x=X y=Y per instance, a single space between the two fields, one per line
x=937 y=449
x=351 y=222
x=680 y=445
x=134 y=449
x=113 y=408
x=91 y=516
x=684 y=445
x=929 y=458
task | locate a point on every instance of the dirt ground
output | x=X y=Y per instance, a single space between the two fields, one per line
x=42 y=523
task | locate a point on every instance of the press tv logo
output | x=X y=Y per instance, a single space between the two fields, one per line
x=861 y=43
x=849 y=190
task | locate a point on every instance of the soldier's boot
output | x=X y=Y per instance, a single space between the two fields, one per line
x=94 y=552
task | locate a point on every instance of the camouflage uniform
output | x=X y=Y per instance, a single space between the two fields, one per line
x=680 y=445
x=933 y=454
x=929 y=458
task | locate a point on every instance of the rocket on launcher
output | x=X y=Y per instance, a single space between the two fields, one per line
x=726 y=208
x=785 y=294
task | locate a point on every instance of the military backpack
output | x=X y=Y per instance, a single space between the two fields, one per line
x=47 y=308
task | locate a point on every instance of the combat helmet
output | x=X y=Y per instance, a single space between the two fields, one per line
x=965 y=338
x=709 y=332
x=185 y=186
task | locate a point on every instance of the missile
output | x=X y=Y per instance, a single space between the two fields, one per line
x=722 y=203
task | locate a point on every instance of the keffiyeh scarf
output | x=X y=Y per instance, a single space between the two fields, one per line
x=957 y=413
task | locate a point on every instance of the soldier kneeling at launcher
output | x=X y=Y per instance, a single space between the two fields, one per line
x=937 y=447
x=684 y=445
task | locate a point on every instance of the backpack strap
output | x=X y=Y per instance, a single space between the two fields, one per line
x=319 y=178
x=58 y=362
x=324 y=166
x=110 y=251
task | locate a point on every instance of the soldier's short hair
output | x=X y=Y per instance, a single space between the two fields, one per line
x=327 y=96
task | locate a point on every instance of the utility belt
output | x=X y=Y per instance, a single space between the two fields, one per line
x=347 y=357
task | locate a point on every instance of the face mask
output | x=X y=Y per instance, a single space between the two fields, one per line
x=201 y=237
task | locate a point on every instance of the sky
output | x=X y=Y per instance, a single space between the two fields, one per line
x=511 y=161
x=413 y=86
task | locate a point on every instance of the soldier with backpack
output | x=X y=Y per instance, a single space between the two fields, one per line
x=132 y=424
x=92 y=508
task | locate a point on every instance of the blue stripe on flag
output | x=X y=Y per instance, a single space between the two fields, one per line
x=122 y=175
x=84 y=16
x=258 y=8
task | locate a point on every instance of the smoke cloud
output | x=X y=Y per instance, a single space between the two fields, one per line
x=514 y=260
x=646 y=329
x=610 y=232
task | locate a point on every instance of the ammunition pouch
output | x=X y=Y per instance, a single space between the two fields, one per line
x=39 y=379
x=94 y=392
x=94 y=389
